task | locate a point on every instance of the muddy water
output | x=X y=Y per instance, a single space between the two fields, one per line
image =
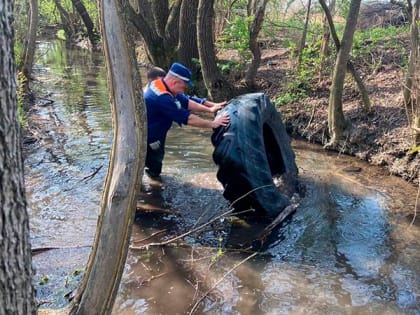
x=349 y=248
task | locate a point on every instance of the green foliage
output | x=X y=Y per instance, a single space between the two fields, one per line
x=380 y=38
x=343 y=8
x=220 y=251
x=61 y=34
x=300 y=84
x=49 y=14
x=289 y=97
x=44 y=280
x=414 y=150
x=73 y=278
x=364 y=40
x=229 y=66
x=236 y=36
x=20 y=26
x=21 y=81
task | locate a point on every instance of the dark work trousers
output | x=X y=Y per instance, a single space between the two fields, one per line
x=154 y=159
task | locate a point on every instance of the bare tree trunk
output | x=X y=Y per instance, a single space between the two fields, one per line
x=414 y=55
x=17 y=294
x=326 y=35
x=218 y=87
x=336 y=121
x=158 y=24
x=65 y=20
x=350 y=67
x=106 y=262
x=412 y=79
x=256 y=8
x=29 y=50
x=188 y=48
x=87 y=21
x=304 y=32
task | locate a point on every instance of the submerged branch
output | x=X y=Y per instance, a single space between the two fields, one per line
x=224 y=214
x=220 y=280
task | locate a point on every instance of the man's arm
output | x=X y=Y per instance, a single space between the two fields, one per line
x=196 y=121
x=197 y=107
x=207 y=106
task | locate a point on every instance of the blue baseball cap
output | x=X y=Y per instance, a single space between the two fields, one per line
x=182 y=72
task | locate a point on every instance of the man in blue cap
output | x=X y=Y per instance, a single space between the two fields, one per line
x=155 y=73
x=166 y=103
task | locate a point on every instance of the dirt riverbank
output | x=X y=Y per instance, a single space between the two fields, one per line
x=382 y=137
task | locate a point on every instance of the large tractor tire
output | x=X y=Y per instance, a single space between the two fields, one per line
x=253 y=150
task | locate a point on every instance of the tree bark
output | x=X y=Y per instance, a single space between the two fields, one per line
x=188 y=48
x=87 y=21
x=66 y=21
x=29 y=50
x=304 y=33
x=256 y=8
x=158 y=24
x=218 y=87
x=326 y=35
x=350 y=67
x=336 y=120
x=17 y=294
x=414 y=55
x=106 y=262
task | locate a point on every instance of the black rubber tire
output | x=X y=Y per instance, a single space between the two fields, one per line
x=250 y=151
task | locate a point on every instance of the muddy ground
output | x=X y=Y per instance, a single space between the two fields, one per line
x=382 y=137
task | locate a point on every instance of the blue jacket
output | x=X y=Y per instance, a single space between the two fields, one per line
x=163 y=109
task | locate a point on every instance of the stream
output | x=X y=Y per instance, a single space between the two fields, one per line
x=351 y=247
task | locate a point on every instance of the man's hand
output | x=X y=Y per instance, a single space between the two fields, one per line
x=214 y=107
x=222 y=120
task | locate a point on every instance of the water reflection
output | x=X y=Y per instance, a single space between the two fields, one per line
x=348 y=249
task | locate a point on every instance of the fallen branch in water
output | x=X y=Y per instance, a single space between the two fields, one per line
x=92 y=175
x=224 y=214
x=150 y=236
x=38 y=250
x=279 y=219
x=184 y=234
x=415 y=205
x=153 y=278
x=219 y=281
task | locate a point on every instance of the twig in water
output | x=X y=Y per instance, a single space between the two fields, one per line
x=415 y=206
x=153 y=278
x=38 y=250
x=92 y=175
x=149 y=237
x=230 y=210
x=220 y=280
x=279 y=219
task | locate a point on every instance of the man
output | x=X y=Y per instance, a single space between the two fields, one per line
x=155 y=73
x=166 y=103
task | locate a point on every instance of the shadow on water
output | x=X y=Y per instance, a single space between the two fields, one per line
x=348 y=249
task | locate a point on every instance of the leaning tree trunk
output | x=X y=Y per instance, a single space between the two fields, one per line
x=336 y=121
x=107 y=259
x=326 y=34
x=66 y=21
x=17 y=294
x=87 y=21
x=304 y=33
x=158 y=23
x=218 y=87
x=350 y=67
x=188 y=49
x=29 y=50
x=256 y=8
x=410 y=89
